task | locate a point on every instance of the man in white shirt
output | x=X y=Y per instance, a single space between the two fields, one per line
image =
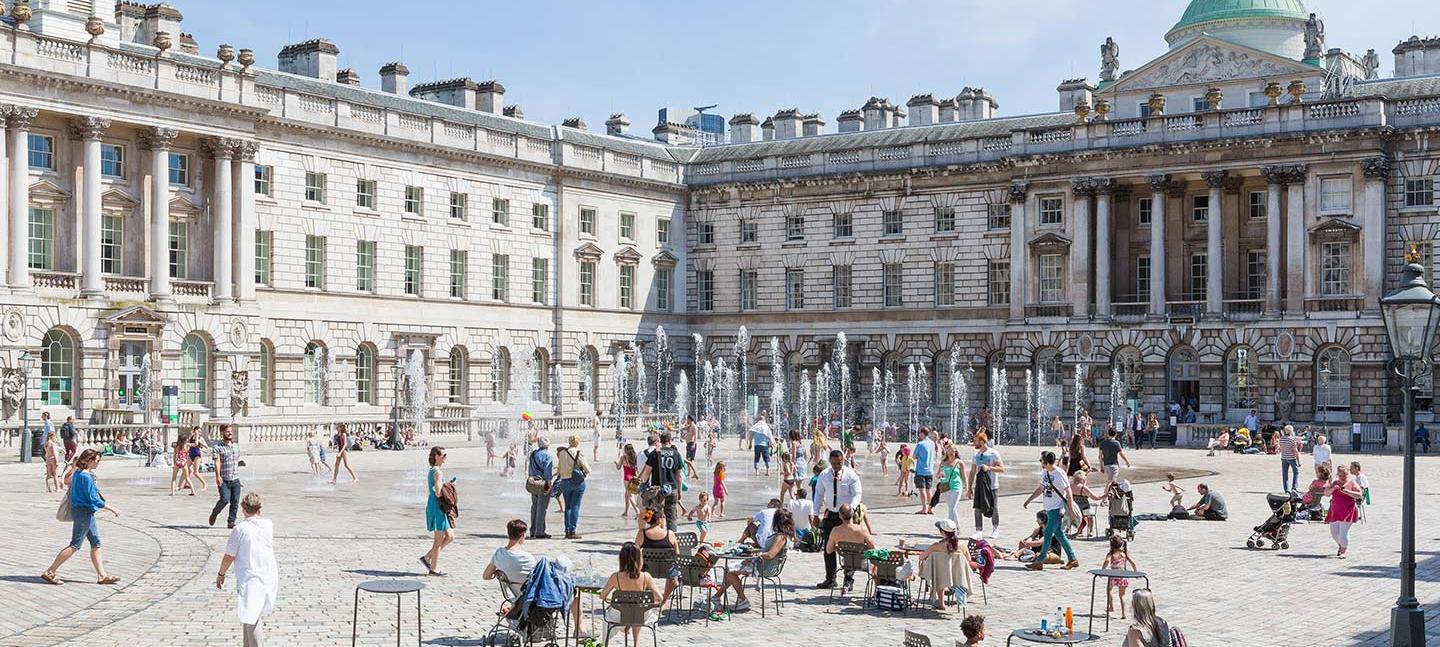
x=251 y=549
x=839 y=485
x=802 y=509
x=762 y=525
x=512 y=560
x=760 y=438
x=1321 y=451
x=1055 y=489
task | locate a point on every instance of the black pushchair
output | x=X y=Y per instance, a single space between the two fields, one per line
x=1276 y=529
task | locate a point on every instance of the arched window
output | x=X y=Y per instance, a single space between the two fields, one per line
x=266 y=380
x=540 y=376
x=1241 y=380
x=458 y=369
x=500 y=376
x=1049 y=383
x=365 y=374
x=940 y=380
x=315 y=368
x=794 y=372
x=57 y=369
x=1332 y=380
x=994 y=383
x=194 y=370
x=588 y=376
x=1127 y=371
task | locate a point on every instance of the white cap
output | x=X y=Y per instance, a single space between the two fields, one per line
x=946 y=525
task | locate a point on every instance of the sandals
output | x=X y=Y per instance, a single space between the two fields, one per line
x=426 y=562
x=51 y=578
x=108 y=579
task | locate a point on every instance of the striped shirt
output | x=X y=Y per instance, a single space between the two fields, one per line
x=1289 y=448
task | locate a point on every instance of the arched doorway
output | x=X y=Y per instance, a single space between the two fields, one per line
x=1184 y=376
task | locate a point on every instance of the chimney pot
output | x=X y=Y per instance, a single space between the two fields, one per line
x=787 y=123
x=925 y=110
x=850 y=121
x=575 y=122
x=617 y=125
x=314 y=58
x=767 y=129
x=347 y=76
x=395 y=78
x=742 y=128
x=514 y=111
x=812 y=125
x=491 y=97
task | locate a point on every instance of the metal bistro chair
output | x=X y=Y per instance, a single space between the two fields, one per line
x=852 y=563
x=767 y=576
x=632 y=607
x=692 y=578
x=658 y=562
x=887 y=570
x=688 y=542
x=913 y=639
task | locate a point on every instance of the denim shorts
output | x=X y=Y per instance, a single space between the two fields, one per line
x=924 y=481
x=82 y=527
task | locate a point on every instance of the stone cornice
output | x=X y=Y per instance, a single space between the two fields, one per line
x=46 y=80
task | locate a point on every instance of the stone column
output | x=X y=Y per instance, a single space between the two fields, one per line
x=244 y=216
x=1372 y=218
x=1159 y=188
x=221 y=226
x=1019 y=230
x=1081 y=190
x=1104 y=190
x=1295 y=243
x=1214 y=245
x=88 y=131
x=4 y=195
x=1275 y=178
x=17 y=120
x=157 y=140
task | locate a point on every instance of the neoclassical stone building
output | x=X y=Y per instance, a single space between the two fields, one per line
x=285 y=246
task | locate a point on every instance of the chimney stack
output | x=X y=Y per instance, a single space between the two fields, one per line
x=617 y=125
x=742 y=128
x=874 y=111
x=787 y=123
x=347 y=76
x=491 y=97
x=460 y=93
x=395 y=78
x=187 y=44
x=576 y=123
x=894 y=116
x=947 y=111
x=1074 y=92
x=812 y=125
x=985 y=105
x=767 y=129
x=514 y=111
x=672 y=133
x=850 y=121
x=140 y=22
x=313 y=58
x=924 y=110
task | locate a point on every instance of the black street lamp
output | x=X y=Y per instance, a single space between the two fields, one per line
x=24 y=363
x=1412 y=313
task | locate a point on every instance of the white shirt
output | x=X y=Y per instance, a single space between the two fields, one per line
x=764 y=526
x=1322 y=453
x=257 y=579
x=759 y=430
x=1053 y=485
x=834 y=490
x=802 y=510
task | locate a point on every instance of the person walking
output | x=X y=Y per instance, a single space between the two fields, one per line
x=690 y=433
x=539 y=479
x=760 y=437
x=180 y=471
x=68 y=434
x=1321 y=453
x=197 y=448
x=1152 y=429
x=924 y=469
x=665 y=473
x=436 y=521
x=1289 y=459
x=839 y=485
x=227 y=476
x=1345 y=495
x=573 y=472
x=1054 y=490
x=85 y=502
x=342 y=453
x=952 y=480
x=982 y=486
x=1137 y=429
x=1111 y=453
x=54 y=451
x=251 y=550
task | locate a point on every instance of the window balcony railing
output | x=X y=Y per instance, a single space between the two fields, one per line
x=1048 y=310
x=1335 y=303
x=185 y=288
x=125 y=284
x=1130 y=308
x=1243 y=307
x=1185 y=308
x=52 y=280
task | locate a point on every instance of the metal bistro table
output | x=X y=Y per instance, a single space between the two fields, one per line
x=587 y=585
x=728 y=555
x=397 y=588
x=1034 y=636
x=1095 y=576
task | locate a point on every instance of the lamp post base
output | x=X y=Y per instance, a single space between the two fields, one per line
x=1407 y=627
x=25 y=450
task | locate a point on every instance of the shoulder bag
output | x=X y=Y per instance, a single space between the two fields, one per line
x=535 y=485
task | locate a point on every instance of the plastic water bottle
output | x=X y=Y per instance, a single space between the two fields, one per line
x=1059 y=618
x=1044 y=625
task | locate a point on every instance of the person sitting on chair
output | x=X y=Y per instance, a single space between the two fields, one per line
x=512 y=560
x=848 y=532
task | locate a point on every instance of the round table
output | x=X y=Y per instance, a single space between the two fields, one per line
x=1098 y=573
x=396 y=588
x=588 y=585
x=1034 y=636
x=728 y=557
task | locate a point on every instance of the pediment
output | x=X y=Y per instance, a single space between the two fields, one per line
x=182 y=206
x=136 y=316
x=664 y=259
x=1050 y=240
x=627 y=256
x=589 y=251
x=1335 y=228
x=1208 y=60
x=47 y=190
x=117 y=199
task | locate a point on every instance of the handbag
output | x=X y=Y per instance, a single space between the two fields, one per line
x=62 y=513
x=535 y=485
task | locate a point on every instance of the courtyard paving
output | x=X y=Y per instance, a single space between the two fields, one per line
x=329 y=538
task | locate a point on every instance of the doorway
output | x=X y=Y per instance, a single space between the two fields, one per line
x=133 y=366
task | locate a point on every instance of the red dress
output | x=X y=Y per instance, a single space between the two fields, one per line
x=1342 y=507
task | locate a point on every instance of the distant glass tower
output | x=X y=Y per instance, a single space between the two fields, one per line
x=709 y=127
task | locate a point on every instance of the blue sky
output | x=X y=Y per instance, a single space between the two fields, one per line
x=589 y=59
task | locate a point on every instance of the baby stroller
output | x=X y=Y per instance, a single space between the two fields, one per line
x=1276 y=529
x=1122 y=511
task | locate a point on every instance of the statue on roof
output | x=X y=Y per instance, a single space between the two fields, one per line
x=1314 y=38
x=1109 y=60
x=1371 y=63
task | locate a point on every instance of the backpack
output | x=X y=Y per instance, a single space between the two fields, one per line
x=1177 y=638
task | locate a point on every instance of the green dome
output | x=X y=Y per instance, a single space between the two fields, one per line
x=1203 y=11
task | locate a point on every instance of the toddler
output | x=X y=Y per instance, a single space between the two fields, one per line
x=719 y=490
x=1118 y=559
x=701 y=514
x=1176 y=492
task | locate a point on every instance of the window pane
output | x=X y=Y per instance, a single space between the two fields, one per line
x=179 y=169
x=194 y=371
x=41 y=151
x=459 y=271
x=57 y=370
x=112 y=160
x=500 y=271
x=539 y=280
x=365 y=266
x=112 y=240
x=662 y=290
x=414 y=269
x=842 y=287
x=42 y=239
x=315 y=262
x=587 y=283
x=179 y=249
x=264 y=242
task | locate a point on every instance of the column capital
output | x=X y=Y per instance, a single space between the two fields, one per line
x=1159 y=182
x=1376 y=168
x=243 y=150
x=19 y=116
x=1233 y=184
x=1275 y=174
x=157 y=138
x=1083 y=187
x=1215 y=179
x=88 y=128
x=1019 y=190
x=1106 y=186
x=219 y=147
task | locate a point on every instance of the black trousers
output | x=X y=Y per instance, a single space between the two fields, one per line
x=827 y=523
x=229 y=492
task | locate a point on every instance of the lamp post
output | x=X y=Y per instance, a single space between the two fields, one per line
x=24 y=363
x=1412 y=314
x=397 y=372
x=1325 y=400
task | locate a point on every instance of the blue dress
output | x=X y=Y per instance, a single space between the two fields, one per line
x=435 y=519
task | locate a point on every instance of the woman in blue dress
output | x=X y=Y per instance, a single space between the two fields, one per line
x=435 y=520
